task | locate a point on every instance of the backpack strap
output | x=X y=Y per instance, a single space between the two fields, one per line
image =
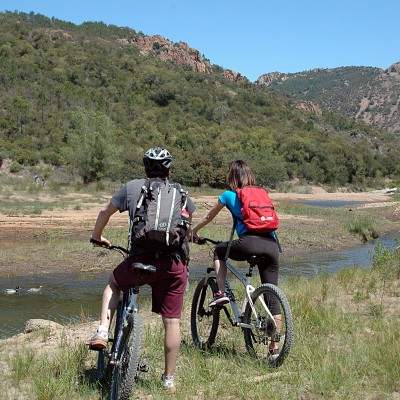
x=143 y=192
x=228 y=249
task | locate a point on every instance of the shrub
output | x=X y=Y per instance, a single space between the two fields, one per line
x=15 y=167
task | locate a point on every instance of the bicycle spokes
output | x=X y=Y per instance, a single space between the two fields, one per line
x=204 y=319
x=272 y=335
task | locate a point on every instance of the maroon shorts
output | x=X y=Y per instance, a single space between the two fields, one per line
x=168 y=283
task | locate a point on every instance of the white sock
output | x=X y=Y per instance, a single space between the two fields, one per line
x=102 y=328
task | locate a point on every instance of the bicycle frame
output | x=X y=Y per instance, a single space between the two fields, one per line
x=129 y=307
x=262 y=328
x=245 y=280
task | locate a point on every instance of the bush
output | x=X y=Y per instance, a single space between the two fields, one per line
x=15 y=167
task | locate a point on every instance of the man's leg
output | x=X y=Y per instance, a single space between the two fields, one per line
x=108 y=306
x=110 y=301
x=172 y=342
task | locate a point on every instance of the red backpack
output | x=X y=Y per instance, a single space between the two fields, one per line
x=258 y=211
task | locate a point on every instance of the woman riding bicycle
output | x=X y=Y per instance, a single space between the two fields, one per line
x=249 y=243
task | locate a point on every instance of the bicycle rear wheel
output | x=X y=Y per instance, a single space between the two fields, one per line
x=104 y=368
x=204 y=320
x=268 y=331
x=127 y=368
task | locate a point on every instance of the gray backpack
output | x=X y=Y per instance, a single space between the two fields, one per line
x=160 y=219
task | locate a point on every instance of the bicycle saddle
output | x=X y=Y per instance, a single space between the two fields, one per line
x=255 y=260
x=144 y=267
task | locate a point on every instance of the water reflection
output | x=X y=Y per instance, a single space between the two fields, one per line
x=334 y=261
x=66 y=296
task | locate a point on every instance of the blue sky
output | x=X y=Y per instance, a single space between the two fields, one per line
x=252 y=37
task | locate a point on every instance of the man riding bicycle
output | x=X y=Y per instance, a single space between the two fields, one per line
x=168 y=283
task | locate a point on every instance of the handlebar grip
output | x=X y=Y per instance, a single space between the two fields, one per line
x=94 y=241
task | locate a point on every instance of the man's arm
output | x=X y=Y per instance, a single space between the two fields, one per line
x=211 y=214
x=101 y=222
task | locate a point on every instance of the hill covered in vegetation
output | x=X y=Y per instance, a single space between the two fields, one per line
x=94 y=97
x=371 y=95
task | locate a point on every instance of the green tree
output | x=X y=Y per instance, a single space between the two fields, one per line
x=92 y=151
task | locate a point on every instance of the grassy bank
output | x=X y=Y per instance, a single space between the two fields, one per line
x=54 y=225
x=347 y=345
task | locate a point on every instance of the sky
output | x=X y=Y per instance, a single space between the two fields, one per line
x=252 y=37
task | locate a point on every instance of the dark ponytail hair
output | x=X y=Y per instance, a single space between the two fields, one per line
x=239 y=175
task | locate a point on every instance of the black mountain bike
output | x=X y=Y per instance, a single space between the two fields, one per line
x=119 y=363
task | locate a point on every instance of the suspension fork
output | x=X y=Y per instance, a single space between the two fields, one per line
x=249 y=290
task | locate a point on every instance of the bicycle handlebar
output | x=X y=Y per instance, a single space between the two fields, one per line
x=201 y=240
x=109 y=247
x=204 y=240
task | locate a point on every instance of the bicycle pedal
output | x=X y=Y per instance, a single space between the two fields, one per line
x=95 y=348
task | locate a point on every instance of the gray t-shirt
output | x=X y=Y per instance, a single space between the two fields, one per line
x=126 y=199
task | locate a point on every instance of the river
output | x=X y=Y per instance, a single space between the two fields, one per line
x=65 y=297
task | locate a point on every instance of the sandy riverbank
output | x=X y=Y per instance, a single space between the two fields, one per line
x=299 y=234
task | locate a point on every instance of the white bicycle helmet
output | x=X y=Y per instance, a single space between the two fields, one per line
x=158 y=155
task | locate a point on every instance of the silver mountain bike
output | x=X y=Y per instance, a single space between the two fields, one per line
x=261 y=329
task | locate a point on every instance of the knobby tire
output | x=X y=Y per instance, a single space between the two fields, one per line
x=204 y=320
x=258 y=340
x=127 y=371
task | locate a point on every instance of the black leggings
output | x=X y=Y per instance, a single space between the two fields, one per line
x=249 y=245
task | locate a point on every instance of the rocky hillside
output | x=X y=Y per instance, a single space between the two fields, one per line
x=157 y=46
x=367 y=94
x=179 y=53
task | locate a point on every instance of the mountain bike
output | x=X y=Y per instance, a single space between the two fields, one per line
x=260 y=327
x=119 y=362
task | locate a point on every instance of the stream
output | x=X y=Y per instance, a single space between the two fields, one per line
x=70 y=297
x=66 y=297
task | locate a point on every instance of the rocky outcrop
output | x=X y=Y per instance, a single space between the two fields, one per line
x=394 y=68
x=180 y=53
x=271 y=78
x=310 y=107
x=56 y=34
x=233 y=76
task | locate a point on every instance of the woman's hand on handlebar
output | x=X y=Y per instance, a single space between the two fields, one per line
x=198 y=240
x=195 y=237
x=102 y=242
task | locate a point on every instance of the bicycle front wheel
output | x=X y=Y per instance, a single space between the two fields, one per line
x=127 y=367
x=204 y=320
x=269 y=329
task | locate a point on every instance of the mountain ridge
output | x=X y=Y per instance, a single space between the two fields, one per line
x=367 y=94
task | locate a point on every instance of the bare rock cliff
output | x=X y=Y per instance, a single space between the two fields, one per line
x=180 y=53
x=394 y=68
x=310 y=107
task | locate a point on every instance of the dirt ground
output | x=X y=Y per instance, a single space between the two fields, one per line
x=14 y=226
x=298 y=234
